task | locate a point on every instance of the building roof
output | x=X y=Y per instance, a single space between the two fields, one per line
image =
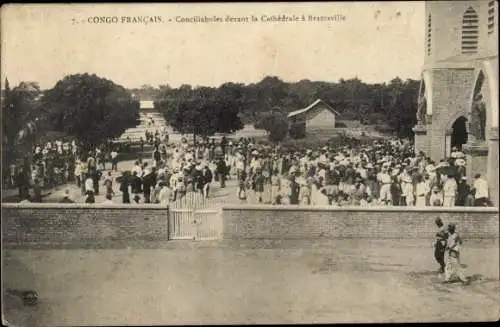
x=310 y=107
x=144 y=104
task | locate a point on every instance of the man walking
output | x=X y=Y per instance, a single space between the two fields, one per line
x=453 y=266
x=440 y=244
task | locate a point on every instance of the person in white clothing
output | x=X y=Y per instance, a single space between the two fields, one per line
x=385 y=181
x=165 y=195
x=137 y=168
x=89 y=185
x=421 y=191
x=449 y=191
x=481 y=197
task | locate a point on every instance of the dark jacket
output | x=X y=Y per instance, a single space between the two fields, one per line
x=207 y=176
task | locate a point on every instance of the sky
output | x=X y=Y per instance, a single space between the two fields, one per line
x=376 y=42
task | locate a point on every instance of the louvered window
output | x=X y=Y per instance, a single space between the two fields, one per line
x=429 y=35
x=470 y=31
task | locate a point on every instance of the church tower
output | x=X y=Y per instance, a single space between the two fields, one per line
x=458 y=101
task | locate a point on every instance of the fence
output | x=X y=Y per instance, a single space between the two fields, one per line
x=195 y=218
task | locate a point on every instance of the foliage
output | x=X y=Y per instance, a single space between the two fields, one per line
x=394 y=103
x=20 y=106
x=20 y=110
x=89 y=108
x=298 y=131
x=202 y=111
x=275 y=123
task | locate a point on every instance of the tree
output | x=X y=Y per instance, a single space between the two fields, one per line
x=275 y=123
x=394 y=103
x=202 y=111
x=90 y=109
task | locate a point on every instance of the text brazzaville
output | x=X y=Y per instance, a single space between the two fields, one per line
x=124 y=19
x=299 y=18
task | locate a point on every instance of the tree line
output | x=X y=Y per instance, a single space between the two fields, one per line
x=206 y=110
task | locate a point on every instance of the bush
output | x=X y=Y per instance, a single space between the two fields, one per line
x=298 y=131
x=275 y=124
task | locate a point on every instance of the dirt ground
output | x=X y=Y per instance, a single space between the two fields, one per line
x=249 y=282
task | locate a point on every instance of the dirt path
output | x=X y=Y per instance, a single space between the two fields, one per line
x=253 y=282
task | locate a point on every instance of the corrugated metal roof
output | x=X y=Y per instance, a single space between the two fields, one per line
x=311 y=106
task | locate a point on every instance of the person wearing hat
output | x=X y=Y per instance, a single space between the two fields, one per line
x=125 y=182
x=108 y=183
x=407 y=196
x=396 y=191
x=207 y=180
x=222 y=172
x=440 y=244
x=453 y=266
x=449 y=191
x=258 y=181
x=165 y=195
x=385 y=181
x=155 y=193
x=421 y=191
x=304 y=192
x=197 y=177
x=358 y=192
x=275 y=187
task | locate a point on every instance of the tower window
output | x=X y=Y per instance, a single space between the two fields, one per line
x=429 y=35
x=470 y=31
x=491 y=17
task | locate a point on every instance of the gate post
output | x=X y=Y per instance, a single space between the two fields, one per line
x=168 y=223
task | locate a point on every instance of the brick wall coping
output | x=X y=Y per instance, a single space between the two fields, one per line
x=251 y=207
x=82 y=206
x=256 y=207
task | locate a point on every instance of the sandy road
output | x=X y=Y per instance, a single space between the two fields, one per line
x=252 y=282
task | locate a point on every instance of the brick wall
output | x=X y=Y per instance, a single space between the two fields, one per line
x=80 y=224
x=270 y=222
x=452 y=91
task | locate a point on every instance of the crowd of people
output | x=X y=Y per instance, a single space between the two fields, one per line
x=385 y=172
x=57 y=163
x=382 y=173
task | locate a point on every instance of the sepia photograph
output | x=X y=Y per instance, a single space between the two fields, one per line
x=249 y=163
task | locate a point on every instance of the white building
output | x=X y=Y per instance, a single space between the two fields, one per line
x=146 y=105
x=317 y=115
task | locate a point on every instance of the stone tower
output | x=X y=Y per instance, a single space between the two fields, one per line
x=459 y=91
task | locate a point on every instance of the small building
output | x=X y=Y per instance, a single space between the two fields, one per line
x=146 y=105
x=316 y=115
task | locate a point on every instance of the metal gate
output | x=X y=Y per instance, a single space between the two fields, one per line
x=194 y=219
